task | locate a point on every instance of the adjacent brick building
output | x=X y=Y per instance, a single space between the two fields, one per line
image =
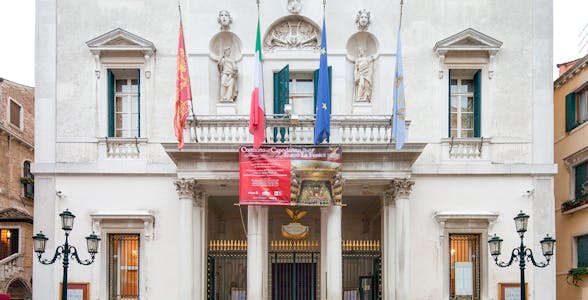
x=16 y=188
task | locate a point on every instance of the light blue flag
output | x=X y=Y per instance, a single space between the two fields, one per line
x=322 y=127
x=398 y=113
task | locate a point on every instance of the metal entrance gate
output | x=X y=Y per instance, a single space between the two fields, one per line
x=294 y=270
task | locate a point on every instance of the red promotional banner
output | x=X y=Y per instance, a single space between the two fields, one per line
x=305 y=176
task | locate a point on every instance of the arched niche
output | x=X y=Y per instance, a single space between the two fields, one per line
x=362 y=39
x=222 y=40
x=292 y=32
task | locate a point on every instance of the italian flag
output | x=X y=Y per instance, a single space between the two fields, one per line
x=257 y=114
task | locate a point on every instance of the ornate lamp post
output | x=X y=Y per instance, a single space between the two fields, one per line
x=522 y=253
x=66 y=250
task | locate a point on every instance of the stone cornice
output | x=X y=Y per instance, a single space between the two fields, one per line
x=571 y=73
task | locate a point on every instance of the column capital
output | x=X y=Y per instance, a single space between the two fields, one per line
x=390 y=195
x=402 y=187
x=186 y=187
x=199 y=197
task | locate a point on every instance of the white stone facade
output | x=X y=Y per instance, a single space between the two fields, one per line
x=127 y=185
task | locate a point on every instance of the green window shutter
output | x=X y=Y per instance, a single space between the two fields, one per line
x=570 y=111
x=315 y=82
x=139 y=102
x=449 y=105
x=281 y=97
x=281 y=89
x=477 y=103
x=110 y=103
x=583 y=251
x=581 y=171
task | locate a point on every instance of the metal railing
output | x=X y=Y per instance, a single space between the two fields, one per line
x=290 y=129
x=294 y=269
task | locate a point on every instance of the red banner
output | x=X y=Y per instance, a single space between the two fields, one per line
x=306 y=176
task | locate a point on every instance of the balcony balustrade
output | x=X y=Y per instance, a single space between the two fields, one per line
x=290 y=129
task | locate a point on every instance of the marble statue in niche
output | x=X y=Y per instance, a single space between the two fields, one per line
x=224 y=19
x=363 y=19
x=293 y=34
x=229 y=71
x=363 y=76
x=294 y=6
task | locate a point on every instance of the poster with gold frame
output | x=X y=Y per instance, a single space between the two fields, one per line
x=511 y=291
x=76 y=290
x=290 y=175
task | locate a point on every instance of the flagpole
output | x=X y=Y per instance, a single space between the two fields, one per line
x=188 y=71
x=400 y=21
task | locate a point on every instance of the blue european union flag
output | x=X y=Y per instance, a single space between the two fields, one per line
x=322 y=127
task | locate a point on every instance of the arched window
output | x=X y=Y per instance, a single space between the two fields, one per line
x=28 y=181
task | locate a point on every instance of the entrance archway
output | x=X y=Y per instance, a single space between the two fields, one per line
x=19 y=290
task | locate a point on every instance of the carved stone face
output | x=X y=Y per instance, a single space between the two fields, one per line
x=362 y=19
x=224 y=19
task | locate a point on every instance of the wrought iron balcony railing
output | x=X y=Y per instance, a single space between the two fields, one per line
x=290 y=129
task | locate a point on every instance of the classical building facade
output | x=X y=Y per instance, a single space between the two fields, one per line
x=16 y=188
x=415 y=221
x=570 y=98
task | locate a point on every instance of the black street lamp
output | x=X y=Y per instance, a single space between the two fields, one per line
x=66 y=250
x=522 y=253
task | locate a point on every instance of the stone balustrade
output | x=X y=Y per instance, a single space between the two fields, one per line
x=290 y=129
x=10 y=266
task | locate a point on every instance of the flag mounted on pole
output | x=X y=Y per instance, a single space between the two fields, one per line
x=322 y=127
x=183 y=91
x=398 y=113
x=257 y=113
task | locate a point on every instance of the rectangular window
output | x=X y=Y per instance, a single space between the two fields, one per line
x=15 y=114
x=8 y=242
x=582 y=106
x=581 y=180
x=124 y=103
x=582 y=249
x=464 y=252
x=123 y=266
x=464 y=103
x=302 y=93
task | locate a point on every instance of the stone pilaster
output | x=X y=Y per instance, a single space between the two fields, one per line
x=403 y=188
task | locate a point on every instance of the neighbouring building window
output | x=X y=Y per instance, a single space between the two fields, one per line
x=123 y=266
x=576 y=108
x=15 y=114
x=581 y=181
x=124 y=103
x=8 y=242
x=464 y=103
x=28 y=181
x=582 y=249
x=464 y=252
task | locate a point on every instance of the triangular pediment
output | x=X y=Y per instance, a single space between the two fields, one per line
x=468 y=40
x=120 y=40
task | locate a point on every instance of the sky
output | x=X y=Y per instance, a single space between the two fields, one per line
x=17 y=31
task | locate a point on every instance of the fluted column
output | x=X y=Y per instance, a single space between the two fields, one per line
x=389 y=244
x=403 y=189
x=186 y=190
x=257 y=251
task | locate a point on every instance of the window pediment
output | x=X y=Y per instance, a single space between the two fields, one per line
x=120 y=41
x=468 y=40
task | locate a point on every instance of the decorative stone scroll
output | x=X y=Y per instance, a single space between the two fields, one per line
x=294 y=6
x=292 y=32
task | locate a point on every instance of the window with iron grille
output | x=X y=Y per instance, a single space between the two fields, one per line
x=464 y=279
x=123 y=266
x=8 y=242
